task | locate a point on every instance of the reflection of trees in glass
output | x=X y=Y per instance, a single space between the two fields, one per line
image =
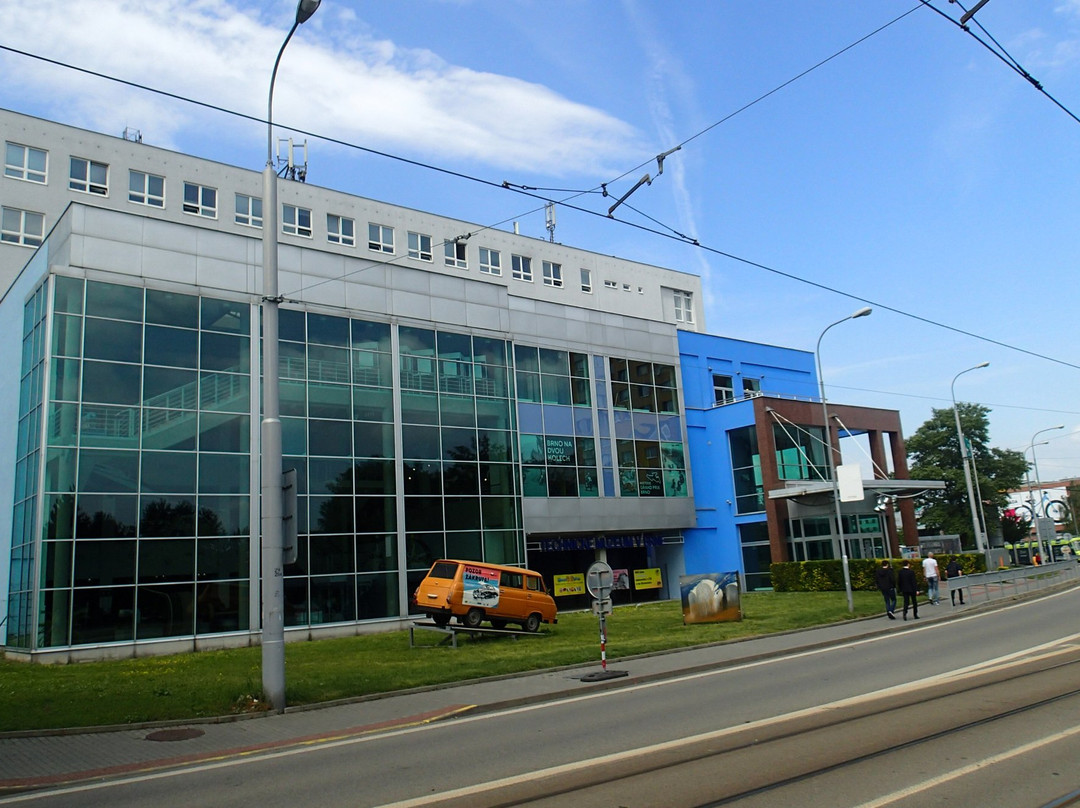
x=365 y=476
x=102 y=524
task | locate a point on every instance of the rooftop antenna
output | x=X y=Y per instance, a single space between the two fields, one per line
x=134 y=135
x=549 y=220
x=290 y=170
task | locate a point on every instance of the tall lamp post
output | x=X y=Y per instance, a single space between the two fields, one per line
x=273 y=595
x=980 y=543
x=829 y=465
x=1038 y=486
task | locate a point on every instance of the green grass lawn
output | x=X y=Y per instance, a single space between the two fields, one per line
x=218 y=683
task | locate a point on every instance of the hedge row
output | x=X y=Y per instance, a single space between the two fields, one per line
x=827 y=576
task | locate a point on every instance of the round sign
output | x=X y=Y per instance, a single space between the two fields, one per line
x=599 y=579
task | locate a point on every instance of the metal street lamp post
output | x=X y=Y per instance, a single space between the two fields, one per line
x=273 y=595
x=1038 y=487
x=980 y=543
x=830 y=466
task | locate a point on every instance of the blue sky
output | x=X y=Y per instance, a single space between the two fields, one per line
x=914 y=170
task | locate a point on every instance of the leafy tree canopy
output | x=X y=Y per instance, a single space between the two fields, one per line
x=934 y=454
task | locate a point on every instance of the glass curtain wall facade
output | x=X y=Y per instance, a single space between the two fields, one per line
x=143 y=510
x=137 y=457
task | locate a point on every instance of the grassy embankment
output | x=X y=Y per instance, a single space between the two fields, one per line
x=218 y=683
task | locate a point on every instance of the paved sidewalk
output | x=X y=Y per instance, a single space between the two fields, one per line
x=31 y=761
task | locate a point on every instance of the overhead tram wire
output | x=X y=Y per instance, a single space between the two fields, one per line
x=673 y=234
x=999 y=51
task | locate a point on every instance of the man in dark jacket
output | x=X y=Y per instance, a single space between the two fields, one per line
x=953 y=571
x=883 y=577
x=908 y=586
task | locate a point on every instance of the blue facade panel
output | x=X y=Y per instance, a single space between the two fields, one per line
x=714 y=545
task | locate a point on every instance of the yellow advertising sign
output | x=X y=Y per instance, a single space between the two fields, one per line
x=571 y=584
x=647 y=579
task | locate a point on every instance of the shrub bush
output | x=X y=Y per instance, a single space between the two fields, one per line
x=825 y=576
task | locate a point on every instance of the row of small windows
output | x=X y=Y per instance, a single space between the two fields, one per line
x=89 y=176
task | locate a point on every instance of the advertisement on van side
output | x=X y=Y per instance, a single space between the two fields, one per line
x=480 y=586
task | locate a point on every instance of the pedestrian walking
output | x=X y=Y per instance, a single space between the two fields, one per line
x=952 y=574
x=883 y=577
x=908 y=586
x=930 y=573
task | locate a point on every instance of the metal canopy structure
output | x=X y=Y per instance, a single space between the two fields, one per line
x=805 y=488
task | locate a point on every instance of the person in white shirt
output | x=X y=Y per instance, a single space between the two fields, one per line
x=930 y=573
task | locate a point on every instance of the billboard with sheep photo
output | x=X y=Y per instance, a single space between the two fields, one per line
x=710 y=598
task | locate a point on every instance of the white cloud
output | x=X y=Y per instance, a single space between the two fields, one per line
x=335 y=79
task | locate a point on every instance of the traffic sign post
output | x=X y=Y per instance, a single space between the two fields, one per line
x=599 y=581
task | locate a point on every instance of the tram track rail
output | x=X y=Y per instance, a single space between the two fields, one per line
x=727 y=764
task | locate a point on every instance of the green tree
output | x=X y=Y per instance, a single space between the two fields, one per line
x=934 y=454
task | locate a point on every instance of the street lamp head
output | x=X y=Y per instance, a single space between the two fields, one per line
x=304 y=10
x=863 y=312
x=981 y=365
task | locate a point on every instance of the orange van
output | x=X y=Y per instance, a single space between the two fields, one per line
x=474 y=591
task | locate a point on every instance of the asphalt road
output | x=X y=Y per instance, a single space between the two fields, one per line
x=633 y=738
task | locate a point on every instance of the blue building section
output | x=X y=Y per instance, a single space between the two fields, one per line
x=721 y=377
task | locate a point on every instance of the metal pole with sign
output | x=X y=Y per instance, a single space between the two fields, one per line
x=599 y=580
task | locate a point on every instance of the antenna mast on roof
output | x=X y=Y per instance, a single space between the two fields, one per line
x=288 y=167
x=549 y=220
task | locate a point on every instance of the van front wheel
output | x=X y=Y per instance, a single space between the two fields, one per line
x=473 y=618
x=532 y=622
x=441 y=620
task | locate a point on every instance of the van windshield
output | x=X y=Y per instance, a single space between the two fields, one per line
x=443 y=569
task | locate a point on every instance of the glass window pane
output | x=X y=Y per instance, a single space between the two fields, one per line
x=103 y=516
x=462 y=513
x=225 y=315
x=423 y=477
x=419 y=408
x=225 y=392
x=168 y=429
x=63 y=425
x=68 y=294
x=416 y=341
x=114 y=301
x=332 y=438
x=165 y=387
x=106 y=615
x=108 y=471
x=224 y=433
x=171 y=515
x=221 y=558
x=497 y=478
x=176 y=347
x=166 y=560
x=455 y=346
x=67 y=335
x=324 y=329
x=292 y=325
x=423 y=514
x=168 y=472
x=376 y=514
x=534 y=481
x=225 y=352
x=421 y=442
x=329 y=401
x=170 y=308
x=371 y=404
x=370 y=336
x=373 y=440
x=223 y=516
x=526 y=358
x=489 y=351
x=109 y=383
x=224 y=474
